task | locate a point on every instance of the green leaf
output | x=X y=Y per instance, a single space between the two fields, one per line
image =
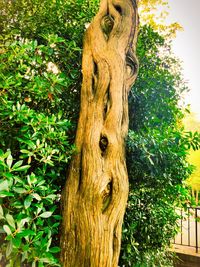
x=21 y=222
x=46 y=260
x=30 y=144
x=22 y=168
x=52 y=196
x=17 y=164
x=46 y=214
x=25 y=248
x=27 y=201
x=54 y=250
x=9 y=160
x=7 y=229
x=6 y=194
x=19 y=190
x=10 y=220
x=25 y=233
x=24 y=151
x=40 y=264
x=8 y=175
x=16 y=241
x=1 y=153
x=38 y=235
x=36 y=196
x=4 y=185
x=32 y=179
x=57 y=217
x=48 y=244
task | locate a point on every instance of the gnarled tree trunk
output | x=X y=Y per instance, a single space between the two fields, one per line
x=96 y=190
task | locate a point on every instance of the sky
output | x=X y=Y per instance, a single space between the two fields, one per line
x=187 y=45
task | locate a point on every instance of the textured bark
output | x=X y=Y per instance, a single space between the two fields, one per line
x=96 y=191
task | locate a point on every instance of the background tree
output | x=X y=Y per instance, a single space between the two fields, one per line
x=154 y=13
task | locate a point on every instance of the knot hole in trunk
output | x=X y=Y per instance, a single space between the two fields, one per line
x=107 y=24
x=107 y=196
x=103 y=143
x=118 y=8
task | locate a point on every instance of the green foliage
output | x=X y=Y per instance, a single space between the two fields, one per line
x=28 y=212
x=35 y=149
x=40 y=79
x=154 y=99
x=157 y=149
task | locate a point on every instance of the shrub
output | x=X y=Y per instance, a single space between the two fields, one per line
x=157 y=149
x=40 y=81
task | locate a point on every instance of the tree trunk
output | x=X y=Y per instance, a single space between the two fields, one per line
x=96 y=191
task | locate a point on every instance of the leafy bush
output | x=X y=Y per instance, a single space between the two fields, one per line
x=40 y=81
x=157 y=149
x=34 y=151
